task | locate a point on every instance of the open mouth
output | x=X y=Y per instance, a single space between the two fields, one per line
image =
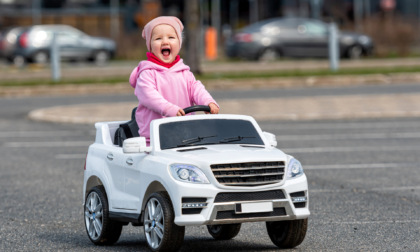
x=166 y=52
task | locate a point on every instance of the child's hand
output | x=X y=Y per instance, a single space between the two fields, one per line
x=180 y=112
x=214 y=109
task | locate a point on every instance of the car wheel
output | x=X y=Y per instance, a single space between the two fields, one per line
x=287 y=234
x=101 y=58
x=162 y=234
x=99 y=227
x=40 y=57
x=224 y=232
x=355 y=52
x=269 y=54
x=18 y=61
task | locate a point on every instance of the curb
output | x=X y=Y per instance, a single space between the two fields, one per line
x=296 y=108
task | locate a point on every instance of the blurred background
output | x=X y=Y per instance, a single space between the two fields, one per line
x=390 y=27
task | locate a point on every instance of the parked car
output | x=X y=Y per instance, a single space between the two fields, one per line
x=8 y=41
x=33 y=44
x=293 y=37
x=214 y=170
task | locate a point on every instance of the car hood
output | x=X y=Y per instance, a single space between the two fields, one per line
x=222 y=154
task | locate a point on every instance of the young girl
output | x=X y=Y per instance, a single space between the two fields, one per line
x=163 y=83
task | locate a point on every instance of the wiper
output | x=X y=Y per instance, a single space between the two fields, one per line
x=234 y=139
x=191 y=141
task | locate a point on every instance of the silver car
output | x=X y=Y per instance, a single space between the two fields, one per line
x=34 y=45
x=293 y=37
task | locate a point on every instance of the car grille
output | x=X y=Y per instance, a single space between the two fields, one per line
x=249 y=174
x=249 y=196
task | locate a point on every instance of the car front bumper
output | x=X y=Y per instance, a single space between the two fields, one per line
x=208 y=205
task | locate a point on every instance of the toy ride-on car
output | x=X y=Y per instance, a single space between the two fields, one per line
x=215 y=170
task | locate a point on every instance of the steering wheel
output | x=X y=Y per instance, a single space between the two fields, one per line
x=197 y=108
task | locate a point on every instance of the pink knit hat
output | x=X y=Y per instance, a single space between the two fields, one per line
x=169 y=20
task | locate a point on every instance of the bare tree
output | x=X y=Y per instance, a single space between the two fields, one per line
x=192 y=25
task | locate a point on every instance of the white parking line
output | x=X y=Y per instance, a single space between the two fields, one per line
x=394 y=135
x=360 y=166
x=369 y=222
x=379 y=189
x=346 y=125
x=6 y=134
x=351 y=149
x=47 y=144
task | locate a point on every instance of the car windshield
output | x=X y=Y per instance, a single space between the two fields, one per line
x=211 y=131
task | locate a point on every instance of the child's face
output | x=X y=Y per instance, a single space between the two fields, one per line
x=164 y=43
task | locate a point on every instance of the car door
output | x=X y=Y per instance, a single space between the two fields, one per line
x=132 y=179
x=314 y=38
x=114 y=161
x=71 y=44
x=292 y=40
x=306 y=38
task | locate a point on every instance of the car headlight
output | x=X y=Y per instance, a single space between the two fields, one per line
x=294 y=169
x=188 y=173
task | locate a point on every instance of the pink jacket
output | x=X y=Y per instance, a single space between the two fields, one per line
x=163 y=91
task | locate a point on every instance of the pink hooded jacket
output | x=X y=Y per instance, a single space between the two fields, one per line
x=163 y=91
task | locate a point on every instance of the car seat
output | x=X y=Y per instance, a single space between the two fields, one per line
x=127 y=130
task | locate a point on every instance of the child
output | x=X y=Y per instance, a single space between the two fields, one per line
x=163 y=83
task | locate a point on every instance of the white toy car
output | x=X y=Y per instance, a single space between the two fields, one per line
x=214 y=170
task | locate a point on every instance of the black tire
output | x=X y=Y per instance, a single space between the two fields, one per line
x=224 y=232
x=287 y=234
x=161 y=233
x=97 y=213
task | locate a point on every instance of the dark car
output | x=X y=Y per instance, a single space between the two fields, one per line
x=293 y=37
x=34 y=45
x=9 y=41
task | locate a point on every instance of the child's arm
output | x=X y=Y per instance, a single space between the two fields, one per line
x=201 y=96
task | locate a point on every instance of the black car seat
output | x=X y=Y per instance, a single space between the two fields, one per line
x=127 y=130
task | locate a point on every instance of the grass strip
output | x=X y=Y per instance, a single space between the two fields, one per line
x=216 y=76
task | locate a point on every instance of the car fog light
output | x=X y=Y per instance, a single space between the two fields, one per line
x=299 y=199
x=194 y=205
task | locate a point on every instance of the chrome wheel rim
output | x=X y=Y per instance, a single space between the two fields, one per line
x=269 y=54
x=19 y=61
x=41 y=58
x=101 y=58
x=93 y=215
x=355 y=52
x=153 y=223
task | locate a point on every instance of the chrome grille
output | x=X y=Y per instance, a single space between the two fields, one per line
x=249 y=174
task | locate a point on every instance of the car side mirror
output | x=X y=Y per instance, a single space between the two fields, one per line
x=136 y=145
x=271 y=138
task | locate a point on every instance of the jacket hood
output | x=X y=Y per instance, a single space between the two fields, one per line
x=148 y=65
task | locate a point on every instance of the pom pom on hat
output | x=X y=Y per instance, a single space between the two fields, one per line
x=169 y=20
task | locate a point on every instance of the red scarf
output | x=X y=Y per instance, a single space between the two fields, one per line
x=151 y=57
